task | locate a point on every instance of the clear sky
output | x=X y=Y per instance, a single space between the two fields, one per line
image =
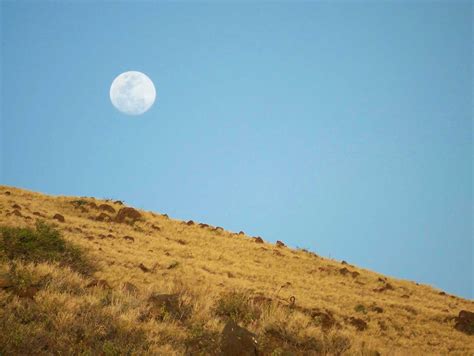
x=344 y=128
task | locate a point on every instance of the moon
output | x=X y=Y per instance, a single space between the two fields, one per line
x=132 y=93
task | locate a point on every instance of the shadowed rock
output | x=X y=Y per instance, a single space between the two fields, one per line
x=465 y=322
x=237 y=341
x=359 y=324
x=59 y=218
x=258 y=239
x=103 y=217
x=107 y=207
x=143 y=268
x=386 y=286
x=128 y=215
x=16 y=206
x=280 y=244
x=203 y=225
x=7 y=193
x=129 y=238
x=190 y=222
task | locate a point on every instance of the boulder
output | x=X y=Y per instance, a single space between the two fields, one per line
x=258 y=239
x=59 y=218
x=237 y=341
x=465 y=322
x=107 y=207
x=280 y=244
x=128 y=215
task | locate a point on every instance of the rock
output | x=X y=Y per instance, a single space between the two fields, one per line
x=59 y=218
x=155 y=227
x=129 y=238
x=386 y=286
x=37 y=213
x=359 y=324
x=119 y=202
x=325 y=319
x=218 y=229
x=103 y=217
x=128 y=215
x=344 y=271
x=100 y=283
x=16 y=206
x=107 y=207
x=354 y=274
x=143 y=268
x=173 y=264
x=165 y=216
x=344 y=262
x=28 y=292
x=465 y=322
x=7 y=193
x=5 y=281
x=203 y=225
x=130 y=288
x=406 y=296
x=241 y=233
x=181 y=242
x=277 y=253
x=442 y=293
x=190 y=222
x=237 y=341
x=16 y=213
x=280 y=244
x=376 y=309
x=258 y=239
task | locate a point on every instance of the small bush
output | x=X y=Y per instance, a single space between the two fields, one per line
x=359 y=308
x=44 y=244
x=236 y=306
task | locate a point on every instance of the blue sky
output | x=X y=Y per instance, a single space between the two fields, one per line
x=344 y=128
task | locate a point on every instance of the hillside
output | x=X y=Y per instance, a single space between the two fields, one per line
x=150 y=284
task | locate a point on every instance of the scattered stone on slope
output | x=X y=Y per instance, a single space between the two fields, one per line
x=241 y=233
x=155 y=227
x=16 y=206
x=128 y=215
x=258 y=239
x=107 y=207
x=344 y=262
x=143 y=268
x=376 y=309
x=129 y=238
x=359 y=324
x=190 y=222
x=16 y=213
x=386 y=286
x=203 y=225
x=103 y=217
x=280 y=244
x=59 y=218
x=465 y=322
x=7 y=193
x=237 y=341
x=323 y=318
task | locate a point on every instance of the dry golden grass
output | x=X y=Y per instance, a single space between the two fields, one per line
x=202 y=265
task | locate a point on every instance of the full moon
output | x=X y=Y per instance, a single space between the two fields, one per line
x=132 y=93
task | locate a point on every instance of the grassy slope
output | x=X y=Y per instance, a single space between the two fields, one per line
x=416 y=319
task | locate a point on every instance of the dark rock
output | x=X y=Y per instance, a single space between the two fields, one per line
x=344 y=262
x=241 y=233
x=165 y=216
x=376 y=309
x=203 y=225
x=129 y=238
x=143 y=268
x=16 y=206
x=119 y=202
x=16 y=213
x=181 y=242
x=37 y=213
x=155 y=227
x=128 y=215
x=442 y=293
x=325 y=319
x=59 y=218
x=258 y=239
x=190 y=222
x=237 y=341
x=7 y=193
x=107 y=207
x=344 y=271
x=103 y=217
x=386 y=286
x=354 y=274
x=280 y=244
x=173 y=264
x=406 y=296
x=465 y=322
x=28 y=292
x=359 y=324
x=100 y=283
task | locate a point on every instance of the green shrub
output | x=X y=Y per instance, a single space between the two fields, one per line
x=44 y=244
x=359 y=308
